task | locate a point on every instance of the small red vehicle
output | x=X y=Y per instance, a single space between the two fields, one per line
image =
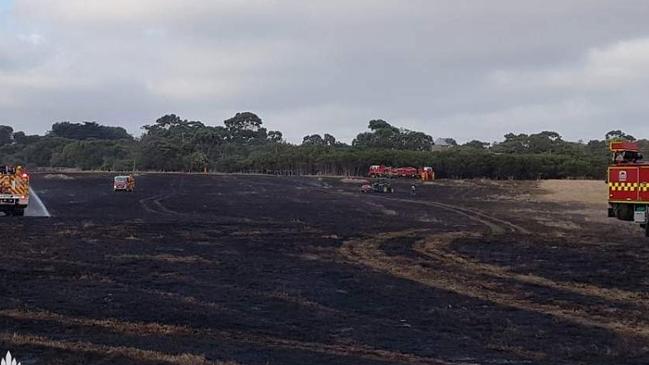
x=124 y=183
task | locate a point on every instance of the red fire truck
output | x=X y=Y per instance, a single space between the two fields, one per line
x=387 y=171
x=14 y=190
x=405 y=172
x=628 y=184
x=380 y=171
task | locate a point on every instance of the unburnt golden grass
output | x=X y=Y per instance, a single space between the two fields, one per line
x=591 y=192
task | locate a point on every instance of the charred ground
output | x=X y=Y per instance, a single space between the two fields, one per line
x=195 y=269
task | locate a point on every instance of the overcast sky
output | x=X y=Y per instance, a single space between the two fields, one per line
x=466 y=69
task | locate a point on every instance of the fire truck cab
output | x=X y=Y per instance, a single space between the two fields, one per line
x=628 y=184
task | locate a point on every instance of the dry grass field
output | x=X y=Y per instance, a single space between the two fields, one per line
x=587 y=192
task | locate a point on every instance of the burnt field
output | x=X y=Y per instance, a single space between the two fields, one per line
x=229 y=269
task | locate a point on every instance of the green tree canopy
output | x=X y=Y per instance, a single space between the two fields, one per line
x=313 y=140
x=477 y=145
x=619 y=135
x=88 y=130
x=6 y=134
x=246 y=127
x=242 y=144
x=384 y=135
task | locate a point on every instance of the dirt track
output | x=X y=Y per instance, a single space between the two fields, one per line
x=275 y=270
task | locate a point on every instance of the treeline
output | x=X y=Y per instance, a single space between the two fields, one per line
x=243 y=144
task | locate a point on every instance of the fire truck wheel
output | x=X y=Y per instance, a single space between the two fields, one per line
x=646 y=230
x=611 y=212
x=624 y=212
x=19 y=212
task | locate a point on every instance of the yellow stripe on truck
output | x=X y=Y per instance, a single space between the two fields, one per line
x=617 y=186
x=14 y=185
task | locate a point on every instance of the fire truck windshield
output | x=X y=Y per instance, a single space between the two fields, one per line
x=627 y=156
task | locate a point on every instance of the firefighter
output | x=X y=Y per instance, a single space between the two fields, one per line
x=413 y=190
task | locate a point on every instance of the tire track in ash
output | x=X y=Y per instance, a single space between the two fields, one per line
x=495 y=225
x=153 y=204
x=462 y=279
x=175 y=190
x=437 y=248
x=484 y=281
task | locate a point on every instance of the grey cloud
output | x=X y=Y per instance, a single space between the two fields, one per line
x=468 y=69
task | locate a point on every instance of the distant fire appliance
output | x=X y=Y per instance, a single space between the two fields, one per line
x=628 y=184
x=425 y=173
x=14 y=190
